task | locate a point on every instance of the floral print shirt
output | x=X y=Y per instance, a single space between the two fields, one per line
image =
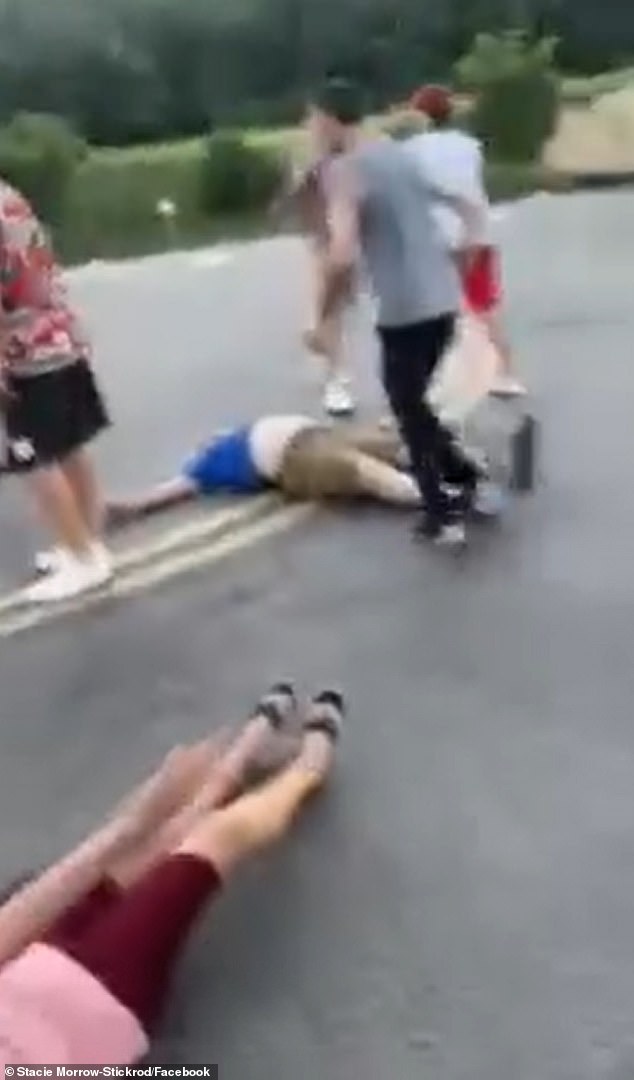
x=39 y=330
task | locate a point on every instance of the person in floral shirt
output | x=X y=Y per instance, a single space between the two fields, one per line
x=51 y=404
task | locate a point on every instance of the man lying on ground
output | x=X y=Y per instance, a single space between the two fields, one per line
x=303 y=459
x=88 y=949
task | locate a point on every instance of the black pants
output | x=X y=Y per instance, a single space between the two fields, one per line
x=410 y=357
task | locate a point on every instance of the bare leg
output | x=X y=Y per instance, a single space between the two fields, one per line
x=380 y=441
x=120 y=512
x=385 y=483
x=81 y=475
x=33 y=908
x=261 y=818
x=225 y=777
x=507 y=382
x=325 y=338
x=60 y=511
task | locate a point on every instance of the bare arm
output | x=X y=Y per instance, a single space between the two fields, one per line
x=35 y=907
x=120 y=512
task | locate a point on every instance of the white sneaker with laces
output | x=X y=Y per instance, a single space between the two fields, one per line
x=338 y=399
x=72 y=577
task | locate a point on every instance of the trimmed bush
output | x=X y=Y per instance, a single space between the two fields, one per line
x=507 y=182
x=39 y=155
x=516 y=94
x=114 y=198
x=237 y=176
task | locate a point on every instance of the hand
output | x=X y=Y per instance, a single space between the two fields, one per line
x=468 y=257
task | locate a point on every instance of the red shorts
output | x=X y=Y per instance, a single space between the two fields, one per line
x=482 y=282
x=130 y=940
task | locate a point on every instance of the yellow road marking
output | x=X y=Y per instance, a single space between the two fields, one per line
x=172 y=564
x=202 y=530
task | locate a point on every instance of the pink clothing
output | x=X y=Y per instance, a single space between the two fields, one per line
x=54 y=1011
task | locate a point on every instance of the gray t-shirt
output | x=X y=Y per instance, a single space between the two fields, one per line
x=411 y=272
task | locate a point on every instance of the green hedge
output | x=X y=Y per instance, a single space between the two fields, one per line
x=516 y=91
x=512 y=181
x=39 y=155
x=103 y=203
x=218 y=186
x=113 y=199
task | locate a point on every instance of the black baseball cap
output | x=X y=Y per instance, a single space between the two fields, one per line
x=340 y=98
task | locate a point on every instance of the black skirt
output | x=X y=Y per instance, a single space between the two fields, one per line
x=50 y=416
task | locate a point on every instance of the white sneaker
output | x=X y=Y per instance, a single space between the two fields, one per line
x=453 y=535
x=507 y=386
x=490 y=500
x=72 y=578
x=338 y=399
x=47 y=562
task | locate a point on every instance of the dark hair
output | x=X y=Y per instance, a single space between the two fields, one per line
x=340 y=98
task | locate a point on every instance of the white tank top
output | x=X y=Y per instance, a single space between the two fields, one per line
x=269 y=440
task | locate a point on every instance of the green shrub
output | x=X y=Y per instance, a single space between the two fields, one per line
x=39 y=155
x=238 y=176
x=506 y=182
x=516 y=93
x=114 y=197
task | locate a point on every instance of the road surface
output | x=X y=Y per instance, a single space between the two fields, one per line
x=460 y=906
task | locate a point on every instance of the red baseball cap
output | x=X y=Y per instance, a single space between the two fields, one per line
x=435 y=101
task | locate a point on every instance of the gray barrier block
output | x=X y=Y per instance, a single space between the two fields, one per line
x=506 y=432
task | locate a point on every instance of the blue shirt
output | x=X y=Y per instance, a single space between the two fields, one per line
x=226 y=464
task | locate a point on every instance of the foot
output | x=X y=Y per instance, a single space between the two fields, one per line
x=257 y=749
x=490 y=500
x=49 y=562
x=322 y=730
x=338 y=400
x=451 y=534
x=72 y=578
x=278 y=706
x=507 y=386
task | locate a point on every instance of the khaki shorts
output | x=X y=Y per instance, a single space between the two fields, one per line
x=321 y=462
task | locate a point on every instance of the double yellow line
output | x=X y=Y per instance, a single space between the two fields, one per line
x=175 y=552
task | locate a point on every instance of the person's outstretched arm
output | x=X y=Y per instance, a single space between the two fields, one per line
x=38 y=904
x=35 y=906
x=120 y=512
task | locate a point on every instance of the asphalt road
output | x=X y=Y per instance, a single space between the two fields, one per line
x=460 y=905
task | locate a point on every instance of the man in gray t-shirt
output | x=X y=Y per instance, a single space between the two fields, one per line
x=380 y=213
